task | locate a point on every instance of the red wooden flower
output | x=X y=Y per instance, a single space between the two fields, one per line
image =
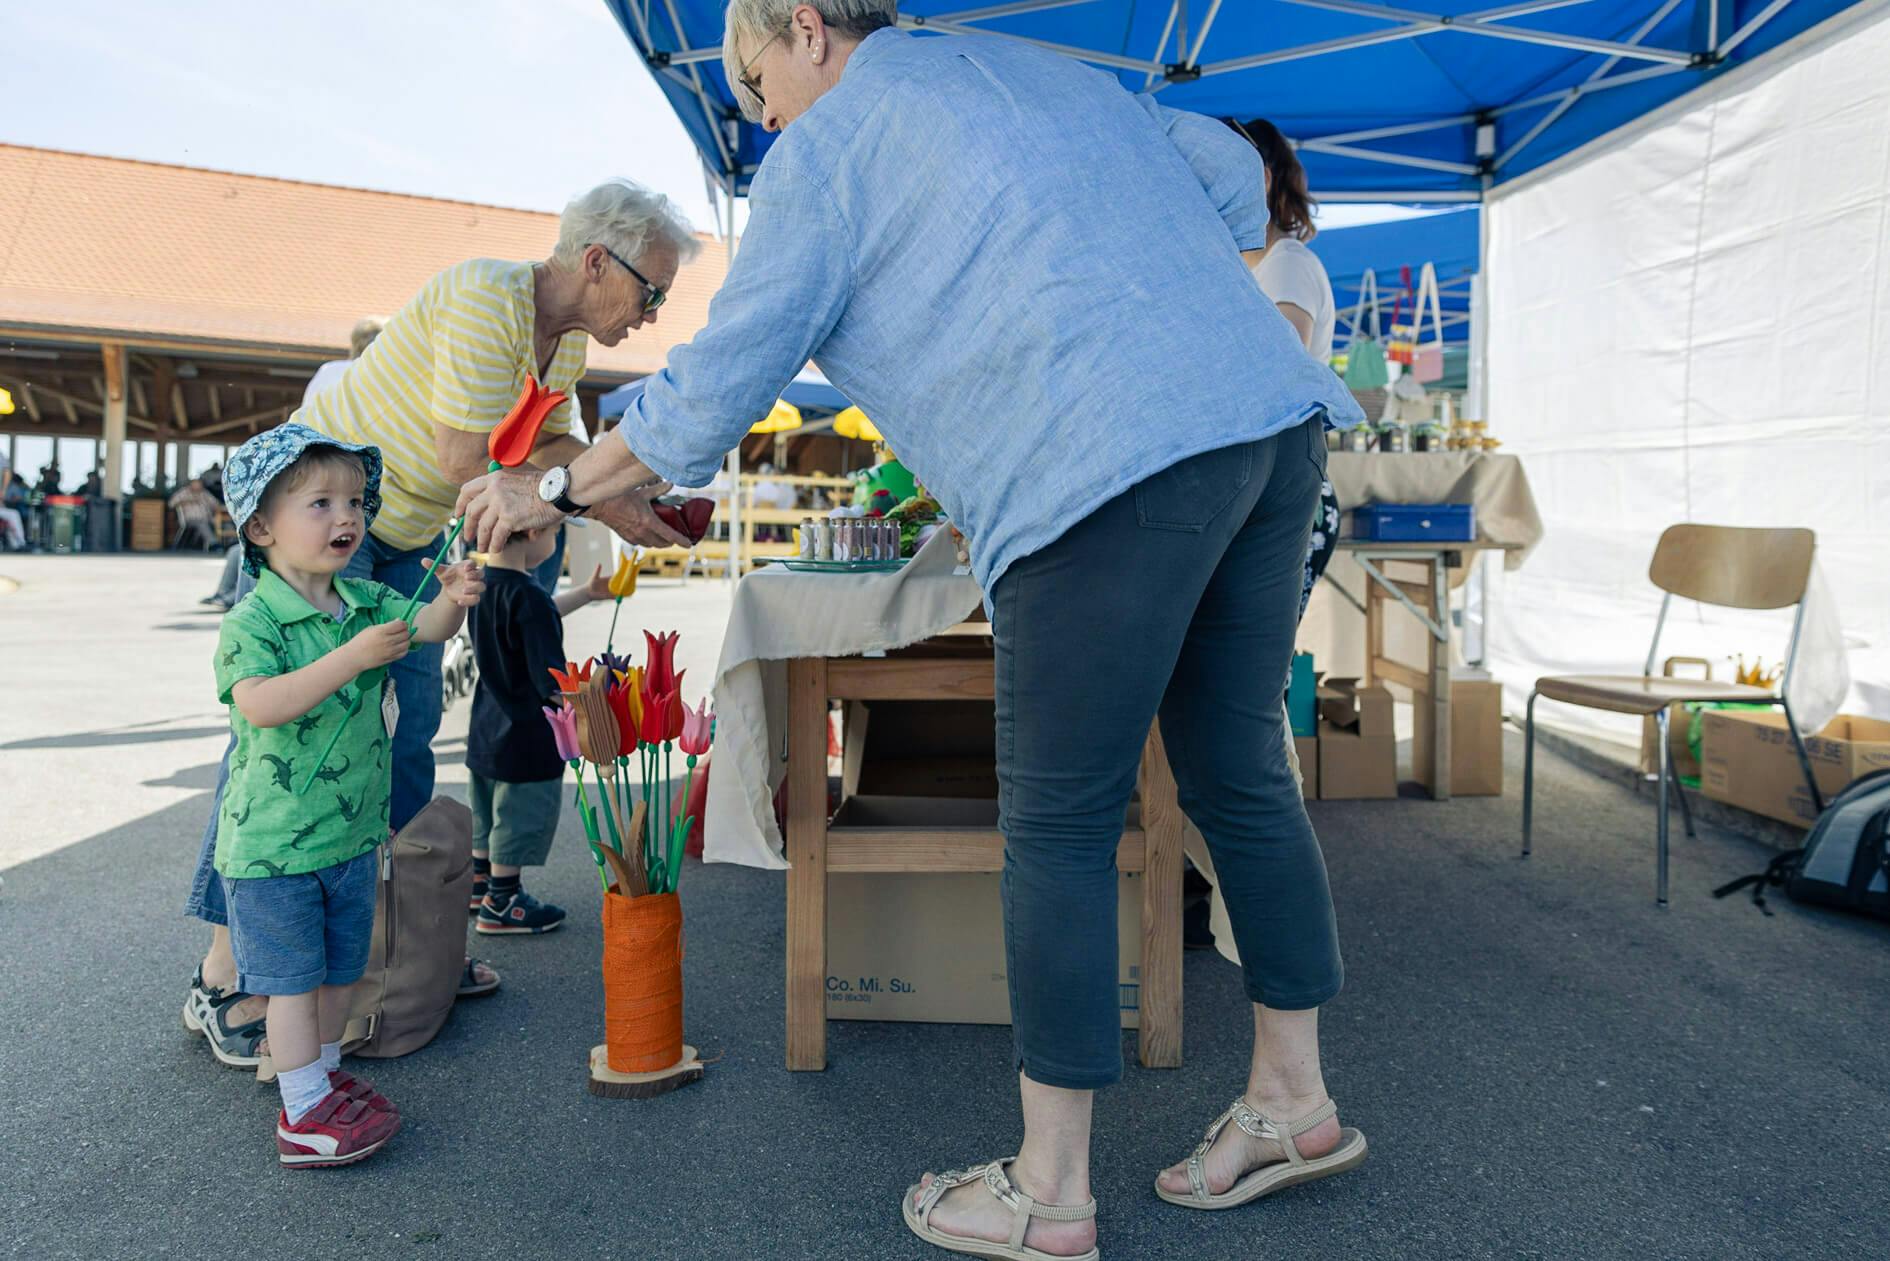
x=689 y=518
x=511 y=443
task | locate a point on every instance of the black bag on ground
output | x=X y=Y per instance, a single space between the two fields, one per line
x=1843 y=863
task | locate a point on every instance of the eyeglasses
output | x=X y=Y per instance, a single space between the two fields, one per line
x=749 y=83
x=653 y=296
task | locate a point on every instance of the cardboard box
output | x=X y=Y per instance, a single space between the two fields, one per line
x=921 y=749
x=1301 y=696
x=918 y=947
x=1307 y=749
x=1749 y=760
x=1358 y=746
x=1476 y=738
x=1679 y=743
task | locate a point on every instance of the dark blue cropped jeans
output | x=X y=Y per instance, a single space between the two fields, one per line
x=1179 y=597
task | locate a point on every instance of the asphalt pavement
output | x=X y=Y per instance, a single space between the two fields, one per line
x=1546 y=1065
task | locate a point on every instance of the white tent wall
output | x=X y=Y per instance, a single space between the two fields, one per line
x=1691 y=325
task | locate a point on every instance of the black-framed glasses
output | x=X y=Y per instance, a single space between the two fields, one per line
x=653 y=296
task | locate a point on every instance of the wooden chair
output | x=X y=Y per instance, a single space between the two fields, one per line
x=1713 y=564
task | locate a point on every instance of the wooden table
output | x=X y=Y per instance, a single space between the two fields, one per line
x=957 y=666
x=1429 y=602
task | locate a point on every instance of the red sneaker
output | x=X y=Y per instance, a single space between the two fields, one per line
x=338 y=1131
x=348 y=1084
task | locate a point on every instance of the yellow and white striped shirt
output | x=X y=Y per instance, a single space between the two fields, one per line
x=456 y=355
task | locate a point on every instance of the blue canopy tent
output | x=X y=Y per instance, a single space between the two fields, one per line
x=1384 y=103
x=1448 y=241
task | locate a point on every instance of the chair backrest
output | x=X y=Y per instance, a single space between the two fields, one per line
x=1734 y=567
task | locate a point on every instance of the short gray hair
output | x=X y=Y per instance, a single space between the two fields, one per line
x=625 y=217
x=753 y=24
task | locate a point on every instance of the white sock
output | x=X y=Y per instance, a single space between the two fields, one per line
x=331 y=1056
x=302 y=1089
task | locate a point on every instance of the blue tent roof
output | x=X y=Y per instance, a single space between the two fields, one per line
x=1447 y=240
x=1385 y=103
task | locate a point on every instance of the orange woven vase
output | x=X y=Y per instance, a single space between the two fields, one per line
x=643 y=953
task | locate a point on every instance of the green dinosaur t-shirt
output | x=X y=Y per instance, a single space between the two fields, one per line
x=266 y=828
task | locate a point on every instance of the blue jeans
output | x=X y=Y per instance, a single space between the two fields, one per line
x=417 y=687
x=1179 y=597
x=546 y=575
x=294 y=934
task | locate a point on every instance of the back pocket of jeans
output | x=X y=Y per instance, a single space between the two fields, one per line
x=1188 y=495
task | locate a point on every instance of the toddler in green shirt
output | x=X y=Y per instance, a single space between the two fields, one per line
x=300 y=661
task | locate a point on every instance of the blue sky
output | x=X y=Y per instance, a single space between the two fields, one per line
x=508 y=102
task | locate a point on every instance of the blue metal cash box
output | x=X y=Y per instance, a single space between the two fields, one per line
x=1415 y=523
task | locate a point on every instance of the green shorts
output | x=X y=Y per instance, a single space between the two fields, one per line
x=515 y=822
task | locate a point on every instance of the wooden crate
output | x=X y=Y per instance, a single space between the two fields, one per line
x=147 y=525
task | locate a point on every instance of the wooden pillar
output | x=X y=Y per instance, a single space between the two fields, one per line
x=116 y=411
x=163 y=387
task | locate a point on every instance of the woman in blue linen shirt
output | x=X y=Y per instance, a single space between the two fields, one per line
x=1032 y=281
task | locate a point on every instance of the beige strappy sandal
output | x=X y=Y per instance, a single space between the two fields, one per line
x=1349 y=1154
x=1022 y=1207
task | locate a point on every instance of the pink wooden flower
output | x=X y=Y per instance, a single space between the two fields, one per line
x=563 y=722
x=697 y=726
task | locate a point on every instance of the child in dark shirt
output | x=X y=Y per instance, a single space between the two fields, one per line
x=516 y=777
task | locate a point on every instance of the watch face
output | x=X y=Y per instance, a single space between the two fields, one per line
x=552 y=485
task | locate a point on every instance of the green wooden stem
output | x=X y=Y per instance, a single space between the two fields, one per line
x=610 y=819
x=682 y=837
x=330 y=746
x=590 y=825
x=610 y=640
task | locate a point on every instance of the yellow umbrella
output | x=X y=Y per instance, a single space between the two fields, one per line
x=853 y=423
x=6 y=403
x=784 y=417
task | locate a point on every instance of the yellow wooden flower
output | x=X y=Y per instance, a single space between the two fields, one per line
x=624 y=581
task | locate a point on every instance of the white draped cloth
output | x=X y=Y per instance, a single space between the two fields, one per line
x=779 y=616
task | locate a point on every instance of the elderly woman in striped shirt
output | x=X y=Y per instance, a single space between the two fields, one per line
x=440 y=376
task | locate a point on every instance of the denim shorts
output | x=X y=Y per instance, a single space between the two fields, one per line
x=295 y=934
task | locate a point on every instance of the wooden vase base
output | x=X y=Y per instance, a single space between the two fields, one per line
x=606 y=1083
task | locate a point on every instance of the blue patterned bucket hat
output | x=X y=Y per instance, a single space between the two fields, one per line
x=266 y=457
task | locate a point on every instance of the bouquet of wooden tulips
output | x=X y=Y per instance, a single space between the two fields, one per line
x=612 y=711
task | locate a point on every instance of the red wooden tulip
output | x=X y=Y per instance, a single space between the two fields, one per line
x=659 y=671
x=655 y=726
x=511 y=443
x=690 y=518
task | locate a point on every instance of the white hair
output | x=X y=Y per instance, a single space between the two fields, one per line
x=748 y=26
x=626 y=218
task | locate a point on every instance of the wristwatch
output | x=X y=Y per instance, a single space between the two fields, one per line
x=554 y=488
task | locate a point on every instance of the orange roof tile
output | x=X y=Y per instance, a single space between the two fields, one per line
x=99 y=246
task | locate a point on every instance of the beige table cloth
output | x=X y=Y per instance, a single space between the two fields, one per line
x=1495 y=484
x=778 y=616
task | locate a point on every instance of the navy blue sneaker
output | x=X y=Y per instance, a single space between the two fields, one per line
x=519 y=913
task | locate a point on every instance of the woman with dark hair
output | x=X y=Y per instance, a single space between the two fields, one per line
x=1294 y=278
x=1286 y=270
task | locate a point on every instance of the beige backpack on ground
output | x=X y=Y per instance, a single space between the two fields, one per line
x=419 y=947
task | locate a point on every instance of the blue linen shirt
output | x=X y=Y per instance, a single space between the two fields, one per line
x=1029 y=278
